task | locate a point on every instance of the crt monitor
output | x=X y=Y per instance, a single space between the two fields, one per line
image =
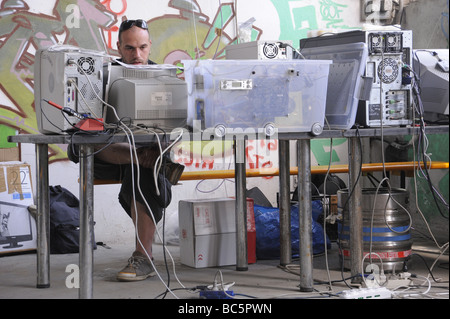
x=15 y=225
x=432 y=68
x=152 y=96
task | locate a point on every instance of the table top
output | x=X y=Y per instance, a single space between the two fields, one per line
x=103 y=137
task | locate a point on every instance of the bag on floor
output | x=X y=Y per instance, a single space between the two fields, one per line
x=64 y=221
x=267 y=223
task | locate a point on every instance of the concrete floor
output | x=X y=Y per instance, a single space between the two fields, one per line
x=264 y=279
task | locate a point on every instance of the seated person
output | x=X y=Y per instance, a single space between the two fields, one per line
x=114 y=162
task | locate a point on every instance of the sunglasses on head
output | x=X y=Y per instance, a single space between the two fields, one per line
x=127 y=24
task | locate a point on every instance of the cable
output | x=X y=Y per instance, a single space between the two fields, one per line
x=430 y=269
x=423 y=140
x=133 y=152
x=404 y=293
x=293 y=48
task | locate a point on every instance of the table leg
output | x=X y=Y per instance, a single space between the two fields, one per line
x=285 y=203
x=305 y=215
x=43 y=217
x=86 y=221
x=241 y=205
x=355 y=209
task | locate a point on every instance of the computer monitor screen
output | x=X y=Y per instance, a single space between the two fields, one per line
x=15 y=225
x=151 y=96
x=432 y=68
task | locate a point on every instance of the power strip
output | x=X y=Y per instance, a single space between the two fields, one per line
x=216 y=294
x=398 y=283
x=367 y=293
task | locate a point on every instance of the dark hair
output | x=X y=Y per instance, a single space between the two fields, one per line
x=127 y=24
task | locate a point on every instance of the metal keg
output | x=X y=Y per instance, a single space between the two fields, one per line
x=386 y=227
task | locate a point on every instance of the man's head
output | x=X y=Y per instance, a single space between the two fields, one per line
x=134 y=42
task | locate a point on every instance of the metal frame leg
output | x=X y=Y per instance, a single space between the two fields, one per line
x=43 y=217
x=285 y=203
x=241 y=205
x=86 y=221
x=305 y=215
x=355 y=209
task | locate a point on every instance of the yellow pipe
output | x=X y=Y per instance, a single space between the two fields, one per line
x=317 y=169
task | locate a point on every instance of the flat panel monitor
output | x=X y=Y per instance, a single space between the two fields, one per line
x=15 y=225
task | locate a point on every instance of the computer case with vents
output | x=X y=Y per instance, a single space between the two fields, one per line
x=70 y=77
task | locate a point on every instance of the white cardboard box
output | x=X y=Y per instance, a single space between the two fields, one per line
x=17 y=226
x=207 y=232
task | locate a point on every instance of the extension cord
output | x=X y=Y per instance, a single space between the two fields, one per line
x=367 y=293
x=398 y=283
x=402 y=281
x=216 y=294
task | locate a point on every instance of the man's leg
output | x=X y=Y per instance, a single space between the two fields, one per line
x=145 y=228
x=139 y=266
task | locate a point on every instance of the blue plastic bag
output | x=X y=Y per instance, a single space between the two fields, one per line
x=267 y=223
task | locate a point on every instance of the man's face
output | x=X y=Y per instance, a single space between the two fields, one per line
x=134 y=46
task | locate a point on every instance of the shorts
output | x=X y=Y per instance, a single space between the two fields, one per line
x=124 y=174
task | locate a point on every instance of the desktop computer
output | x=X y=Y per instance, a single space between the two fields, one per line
x=70 y=78
x=389 y=54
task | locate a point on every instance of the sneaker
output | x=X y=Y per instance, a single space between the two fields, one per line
x=173 y=171
x=138 y=268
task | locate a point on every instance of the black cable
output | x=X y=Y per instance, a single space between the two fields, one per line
x=421 y=151
x=43 y=113
x=165 y=292
x=424 y=261
x=164 y=228
x=111 y=138
x=321 y=282
x=421 y=141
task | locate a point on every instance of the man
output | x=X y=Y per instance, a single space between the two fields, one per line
x=114 y=162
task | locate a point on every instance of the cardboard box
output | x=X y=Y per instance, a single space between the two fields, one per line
x=208 y=232
x=9 y=154
x=17 y=226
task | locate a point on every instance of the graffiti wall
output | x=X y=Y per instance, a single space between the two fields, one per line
x=180 y=30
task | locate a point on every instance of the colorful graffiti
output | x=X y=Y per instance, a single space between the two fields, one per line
x=22 y=32
x=302 y=16
x=185 y=33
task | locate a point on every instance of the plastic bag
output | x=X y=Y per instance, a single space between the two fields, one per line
x=267 y=222
x=245 y=30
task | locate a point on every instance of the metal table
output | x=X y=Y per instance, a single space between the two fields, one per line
x=305 y=198
x=87 y=143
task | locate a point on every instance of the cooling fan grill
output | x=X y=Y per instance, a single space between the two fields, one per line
x=270 y=50
x=388 y=70
x=86 y=65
